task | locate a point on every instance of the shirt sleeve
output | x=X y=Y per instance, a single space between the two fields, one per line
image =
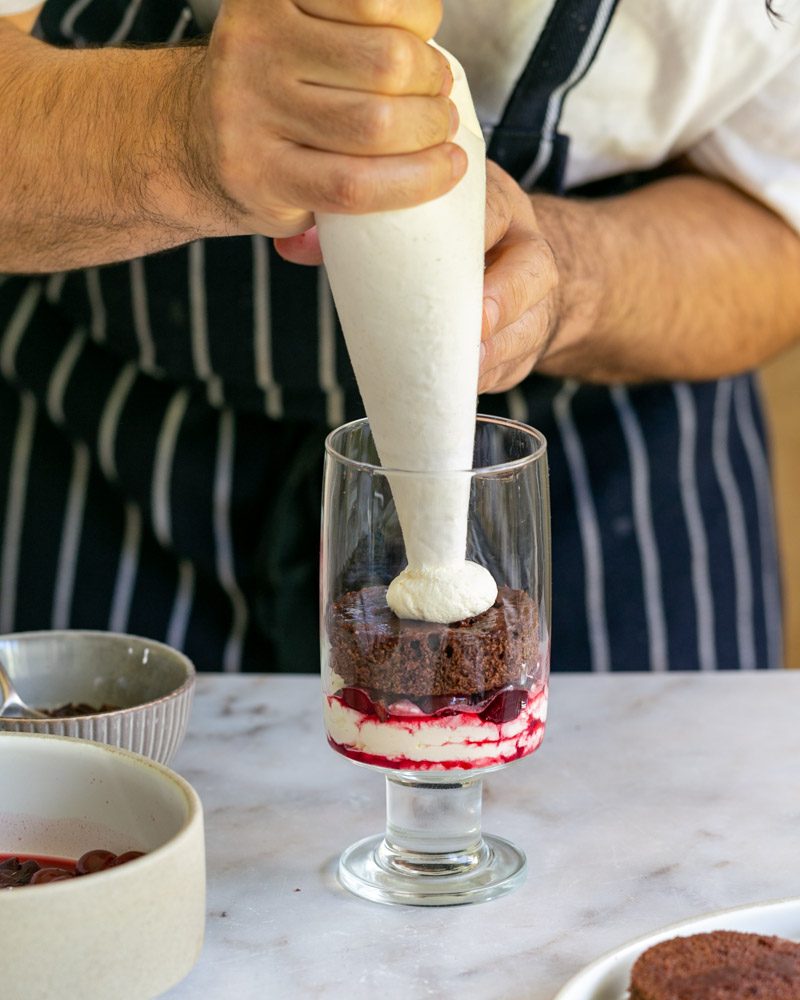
x=757 y=148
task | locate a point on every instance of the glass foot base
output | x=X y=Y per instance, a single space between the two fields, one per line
x=373 y=870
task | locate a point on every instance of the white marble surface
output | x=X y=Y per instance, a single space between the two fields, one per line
x=654 y=798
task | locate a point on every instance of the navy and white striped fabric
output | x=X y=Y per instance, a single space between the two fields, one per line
x=161 y=428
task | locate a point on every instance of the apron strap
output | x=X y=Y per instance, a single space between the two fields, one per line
x=526 y=142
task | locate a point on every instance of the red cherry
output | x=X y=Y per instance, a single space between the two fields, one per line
x=505 y=706
x=358 y=700
x=27 y=870
x=13 y=872
x=50 y=875
x=122 y=859
x=94 y=861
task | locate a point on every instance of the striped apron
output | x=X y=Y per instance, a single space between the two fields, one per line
x=162 y=421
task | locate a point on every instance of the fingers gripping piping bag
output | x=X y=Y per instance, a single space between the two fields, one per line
x=408 y=287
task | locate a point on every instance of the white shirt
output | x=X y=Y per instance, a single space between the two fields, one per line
x=718 y=81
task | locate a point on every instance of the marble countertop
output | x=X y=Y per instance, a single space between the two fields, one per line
x=653 y=799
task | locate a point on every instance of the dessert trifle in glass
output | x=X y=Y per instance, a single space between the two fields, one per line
x=435 y=704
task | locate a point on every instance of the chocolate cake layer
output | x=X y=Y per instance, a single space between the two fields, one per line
x=722 y=965
x=373 y=649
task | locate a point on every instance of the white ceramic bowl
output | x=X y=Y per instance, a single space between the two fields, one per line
x=126 y=933
x=152 y=683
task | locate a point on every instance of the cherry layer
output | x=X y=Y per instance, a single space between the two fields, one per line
x=18 y=870
x=498 y=706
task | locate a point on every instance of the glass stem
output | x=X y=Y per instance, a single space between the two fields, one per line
x=432 y=828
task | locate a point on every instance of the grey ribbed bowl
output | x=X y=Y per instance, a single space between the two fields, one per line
x=152 y=683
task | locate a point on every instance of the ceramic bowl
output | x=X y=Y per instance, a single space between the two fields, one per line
x=151 y=683
x=128 y=932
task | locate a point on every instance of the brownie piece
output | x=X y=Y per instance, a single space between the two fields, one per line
x=721 y=965
x=374 y=649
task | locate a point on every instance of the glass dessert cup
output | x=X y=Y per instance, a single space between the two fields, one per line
x=433 y=706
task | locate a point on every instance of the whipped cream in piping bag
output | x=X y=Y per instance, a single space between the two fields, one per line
x=408 y=287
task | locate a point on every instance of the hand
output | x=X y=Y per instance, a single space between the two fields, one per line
x=520 y=294
x=520 y=297
x=322 y=105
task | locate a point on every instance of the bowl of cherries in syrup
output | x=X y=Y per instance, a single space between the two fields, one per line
x=119 y=689
x=102 y=871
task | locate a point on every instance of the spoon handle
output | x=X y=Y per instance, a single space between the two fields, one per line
x=12 y=706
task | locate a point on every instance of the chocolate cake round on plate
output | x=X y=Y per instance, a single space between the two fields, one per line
x=720 y=965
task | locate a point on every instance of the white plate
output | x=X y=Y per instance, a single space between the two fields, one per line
x=608 y=977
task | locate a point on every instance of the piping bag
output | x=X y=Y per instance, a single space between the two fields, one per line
x=408 y=288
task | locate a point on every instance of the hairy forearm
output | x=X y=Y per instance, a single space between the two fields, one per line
x=287 y=112
x=686 y=278
x=96 y=167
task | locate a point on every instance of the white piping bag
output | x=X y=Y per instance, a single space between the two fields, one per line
x=408 y=287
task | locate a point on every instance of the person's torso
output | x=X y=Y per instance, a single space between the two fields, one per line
x=666 y=74
x=262 y=335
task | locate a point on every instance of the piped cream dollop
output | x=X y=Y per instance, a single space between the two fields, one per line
x=442 y=594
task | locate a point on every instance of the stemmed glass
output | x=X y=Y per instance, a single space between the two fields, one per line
x=435 y=707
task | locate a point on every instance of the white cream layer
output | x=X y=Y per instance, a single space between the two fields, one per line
x=408 y=287
x=461 y=738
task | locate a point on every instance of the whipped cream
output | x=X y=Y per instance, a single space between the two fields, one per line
x=408 y=287
x=442 y=594
x=460 y=740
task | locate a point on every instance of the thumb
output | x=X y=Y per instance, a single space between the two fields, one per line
x=301 y=249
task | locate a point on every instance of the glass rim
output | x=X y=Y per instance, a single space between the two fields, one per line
x=517 y=463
